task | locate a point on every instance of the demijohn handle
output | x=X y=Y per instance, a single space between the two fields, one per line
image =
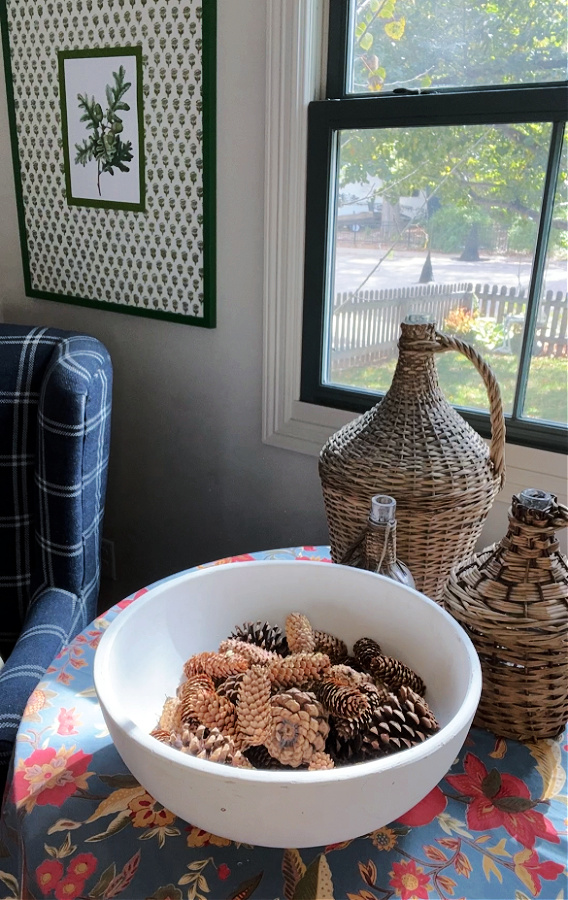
x=496 y=417
x=441 y=344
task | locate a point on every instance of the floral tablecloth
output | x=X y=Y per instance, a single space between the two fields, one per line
x=75 y=823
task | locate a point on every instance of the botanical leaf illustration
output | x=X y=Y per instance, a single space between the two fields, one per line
x=247 y=888
x=116 y=802
x=104 y=144
x=316 y=884
x=292 y=869
x=549 y=765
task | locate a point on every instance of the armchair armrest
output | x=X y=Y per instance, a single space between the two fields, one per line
x=47 y=627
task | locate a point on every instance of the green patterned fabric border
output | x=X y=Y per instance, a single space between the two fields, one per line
x=157 y=262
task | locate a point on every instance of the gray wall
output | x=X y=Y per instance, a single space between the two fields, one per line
x=190 y=479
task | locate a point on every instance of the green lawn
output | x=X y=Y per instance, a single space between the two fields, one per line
x=547 y=392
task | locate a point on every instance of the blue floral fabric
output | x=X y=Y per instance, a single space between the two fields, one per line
x=77 y=824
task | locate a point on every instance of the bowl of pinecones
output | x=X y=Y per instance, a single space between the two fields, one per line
x=283 y=703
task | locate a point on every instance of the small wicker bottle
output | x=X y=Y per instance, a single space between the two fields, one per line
x=375 y=549
x=415 y=447
x=512 y=599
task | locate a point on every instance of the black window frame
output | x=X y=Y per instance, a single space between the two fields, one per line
x=448 y=106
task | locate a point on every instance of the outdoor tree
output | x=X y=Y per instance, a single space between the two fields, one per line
x=105 y=144
x=490 y=175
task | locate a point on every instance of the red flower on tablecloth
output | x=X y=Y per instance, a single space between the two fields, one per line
x=426 y=811
x=528 y=868
x=409 y=881
x=501 y=800
x=68 y=720
x=128 y=600
x=48 y=874
x=83 y=865
x=69 y=887
x=50 y=776
x=223 y=871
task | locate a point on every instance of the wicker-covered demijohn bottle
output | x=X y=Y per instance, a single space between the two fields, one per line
x=414 y=446
x=512 y=599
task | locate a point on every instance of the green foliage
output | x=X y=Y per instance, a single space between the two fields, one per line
x=105 y=144
x=481 y=331
x=496 y=172
x=450 y=226
x=546 y=394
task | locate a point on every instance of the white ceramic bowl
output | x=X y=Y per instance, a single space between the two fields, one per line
x=140 y=659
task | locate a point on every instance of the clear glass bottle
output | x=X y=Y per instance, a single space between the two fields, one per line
x=379 y=546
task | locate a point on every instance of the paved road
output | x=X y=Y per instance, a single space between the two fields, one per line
x=403 y=268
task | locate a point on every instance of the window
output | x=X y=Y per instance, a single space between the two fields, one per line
x=437 y=183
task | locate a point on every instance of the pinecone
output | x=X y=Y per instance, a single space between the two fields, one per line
x=348 y=675
x=418 y=712
x=216 y=712
x=230 y=687
x=218 y=665
x=333 y=646
x=170 y=716
x=344 y=749
x=299 y=727
x=269 y=637
x=195 y=682
x=196 y=685
x=342 y=700
x=354 y=663
x=256 y=656
x=209 y=743
x=299 y=633
x=400 y=723
x=347 y=727
x=365 y=650
x=254 y=716
x=298 y=669
x=261 y=758
x=321 y=760
x=161 y=735
x=393 y=673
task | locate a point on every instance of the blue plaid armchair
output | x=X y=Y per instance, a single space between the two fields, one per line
x=55 y=402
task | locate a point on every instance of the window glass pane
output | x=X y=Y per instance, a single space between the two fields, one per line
x=439 y=220
x=455 y=43
x=547 y=387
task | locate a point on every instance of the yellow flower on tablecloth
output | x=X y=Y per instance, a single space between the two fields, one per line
x=383 y=838
x=38 y=701
x=148 y=813
x=199 y=838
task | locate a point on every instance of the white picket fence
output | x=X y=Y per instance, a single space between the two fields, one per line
x=365 y=327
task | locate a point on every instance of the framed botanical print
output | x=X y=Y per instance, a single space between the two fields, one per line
x=102 y=121
x=112 y=118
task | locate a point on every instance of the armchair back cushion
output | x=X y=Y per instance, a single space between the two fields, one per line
x=55 y=401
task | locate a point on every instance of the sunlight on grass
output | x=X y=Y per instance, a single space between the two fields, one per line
x=547 y=394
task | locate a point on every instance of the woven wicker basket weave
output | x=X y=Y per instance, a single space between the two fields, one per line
x=414 y=446
x=512 y=599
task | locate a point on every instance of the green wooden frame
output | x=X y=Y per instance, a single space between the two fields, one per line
x=208 y=147
x=99 y=53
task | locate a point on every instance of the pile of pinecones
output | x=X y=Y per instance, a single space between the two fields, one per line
x=274 y=699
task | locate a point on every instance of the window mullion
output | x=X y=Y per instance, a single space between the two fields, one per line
x=539 y=265
x=338 y=48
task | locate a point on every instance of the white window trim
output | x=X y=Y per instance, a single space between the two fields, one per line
x=295 y=49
